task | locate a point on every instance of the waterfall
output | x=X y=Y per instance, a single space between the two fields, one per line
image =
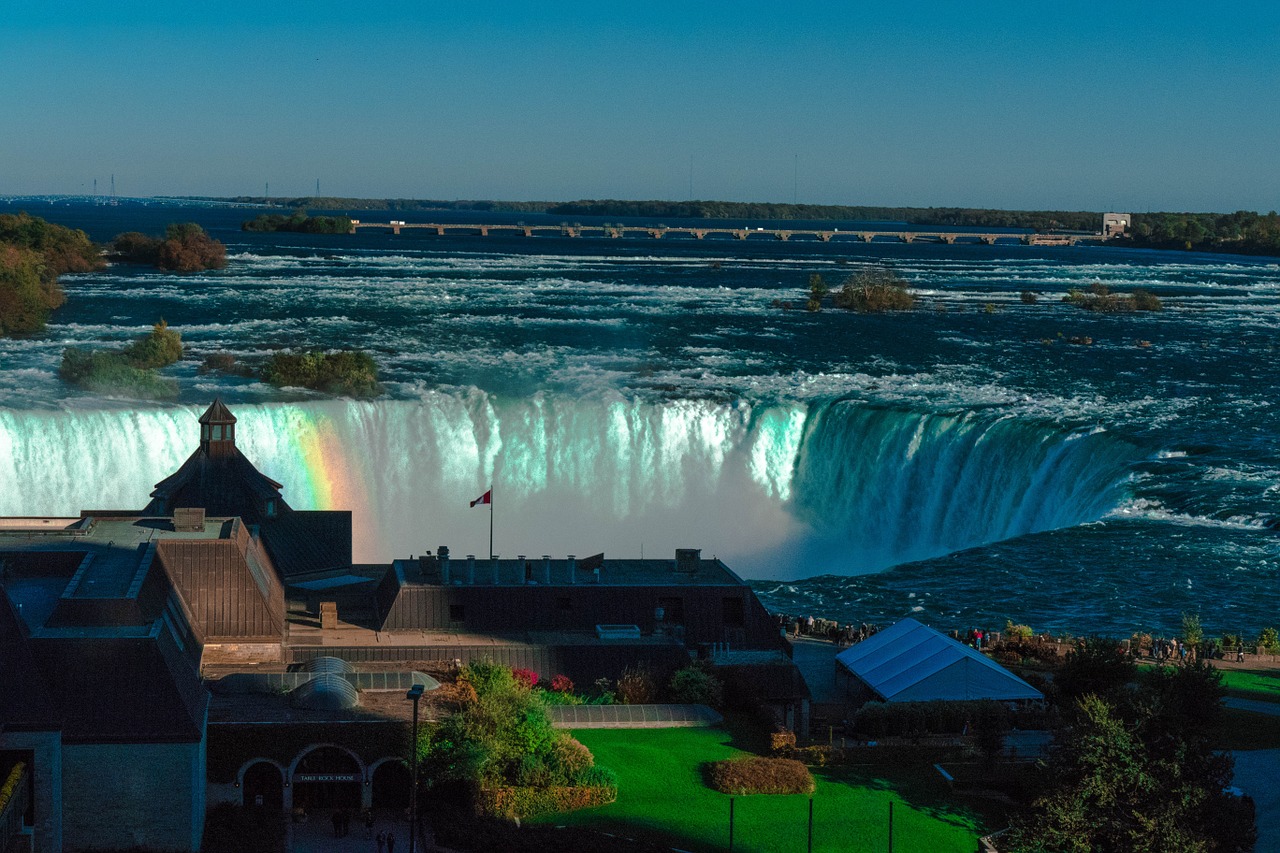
x=775 y=489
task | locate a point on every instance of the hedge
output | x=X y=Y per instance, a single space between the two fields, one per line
x=756 y=775
x=511 y=802
x=11 y=784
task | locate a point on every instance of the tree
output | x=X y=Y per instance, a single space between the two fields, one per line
x=1097 y=665
x=187 y=248
x=1136 y=772
x=27 y=292
x=818 y=291
x=875 y=289
x=161 y=348
x=1192 y=633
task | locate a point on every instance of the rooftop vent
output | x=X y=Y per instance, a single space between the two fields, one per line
x=325 y=663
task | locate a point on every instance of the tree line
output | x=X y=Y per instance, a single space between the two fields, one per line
x=33 y=253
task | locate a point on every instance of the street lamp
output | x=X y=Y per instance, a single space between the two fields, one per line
x=415 y=693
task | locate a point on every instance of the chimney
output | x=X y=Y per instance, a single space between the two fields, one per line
x=688 y=560
x=573 y=569
x=471 y=568
x=442 y=554
x=493 y=564
x=546 y=569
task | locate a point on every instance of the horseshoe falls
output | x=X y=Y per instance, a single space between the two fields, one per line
x=994 y=454
x=779 y=490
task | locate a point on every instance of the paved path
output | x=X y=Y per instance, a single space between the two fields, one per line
x=316 y=835
x=1254 y=705
x=1256 y=773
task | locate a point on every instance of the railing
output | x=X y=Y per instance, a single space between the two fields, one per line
x=13 y=807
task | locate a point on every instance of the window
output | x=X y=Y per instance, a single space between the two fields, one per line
x=672 y=609
x=217 y=432
x=204 y=432
x=271 y=508
x=457 y=612
x=733 y=611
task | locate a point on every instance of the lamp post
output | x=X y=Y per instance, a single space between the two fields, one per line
x=415 y=693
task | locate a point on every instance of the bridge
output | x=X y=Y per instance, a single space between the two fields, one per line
x=442 y=229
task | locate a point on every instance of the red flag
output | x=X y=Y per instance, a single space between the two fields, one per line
x=486 y=498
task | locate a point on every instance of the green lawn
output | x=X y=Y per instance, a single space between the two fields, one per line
x=661 y=797
x=1263 y=685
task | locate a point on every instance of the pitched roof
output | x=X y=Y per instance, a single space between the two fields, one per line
x=224 y=588
x=217 y=413
x=910 y=662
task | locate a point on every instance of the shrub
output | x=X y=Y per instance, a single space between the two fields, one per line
x=1029 y=297
x=348 y=372
x=562 y=684
x=1017 y=632
x=570 y=759
x=782 y=741
x=1269 y=641
x=161 y=348
x=874 y=290
x=525 y=677
x=523 y=802
x=136 y=247
x=636 y=686
x=696 y=686
x=1100 y=298
x=756 y=775
x=111 y=373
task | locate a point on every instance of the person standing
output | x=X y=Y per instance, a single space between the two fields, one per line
x=368 y=823
x=391 y=842
x=382 y=842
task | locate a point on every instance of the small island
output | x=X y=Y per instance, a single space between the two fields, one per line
x=185 y=247
x=871 y=290
x=349 y=373
x=130 y=371
x=33 y=253
x=299 y=222
x=1099 y=298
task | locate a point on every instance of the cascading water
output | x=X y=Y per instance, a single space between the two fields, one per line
x=781 y=490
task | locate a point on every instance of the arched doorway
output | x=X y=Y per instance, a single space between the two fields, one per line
x=391 y=783
x=327 y=778
x=263 y=786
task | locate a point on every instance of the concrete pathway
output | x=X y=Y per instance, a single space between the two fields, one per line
x=316 y=835
x=1256 y=774
x=1254 y=705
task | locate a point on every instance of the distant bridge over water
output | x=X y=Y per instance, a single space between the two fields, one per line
x=442 y=229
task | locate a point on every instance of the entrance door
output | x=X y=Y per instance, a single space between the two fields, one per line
x=327 y=778
x=264 y=786
x=391 y=783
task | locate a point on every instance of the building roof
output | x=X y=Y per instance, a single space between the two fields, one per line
x=123 y=689
x=217 y=413
x=910 y=662
x=24 y=700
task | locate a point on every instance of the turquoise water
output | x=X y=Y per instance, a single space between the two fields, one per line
x=964 y=461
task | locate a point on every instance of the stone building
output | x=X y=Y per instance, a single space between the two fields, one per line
x=135 y=646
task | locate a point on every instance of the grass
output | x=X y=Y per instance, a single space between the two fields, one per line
x=662 y=797
x=1261 y=685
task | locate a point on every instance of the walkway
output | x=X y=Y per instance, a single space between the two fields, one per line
x=1256 y=773
x=1253 y=705
x=316 y=835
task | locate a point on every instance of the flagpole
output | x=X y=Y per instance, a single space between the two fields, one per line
x=490 y=522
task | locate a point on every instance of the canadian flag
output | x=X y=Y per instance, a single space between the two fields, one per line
x=486 y=498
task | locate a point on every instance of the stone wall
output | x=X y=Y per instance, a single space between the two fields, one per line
x=133 y=795
x=46 y=770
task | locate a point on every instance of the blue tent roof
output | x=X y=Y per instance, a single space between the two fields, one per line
x=910 y=662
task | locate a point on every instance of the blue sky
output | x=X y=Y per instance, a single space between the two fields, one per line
x=1135 y=106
